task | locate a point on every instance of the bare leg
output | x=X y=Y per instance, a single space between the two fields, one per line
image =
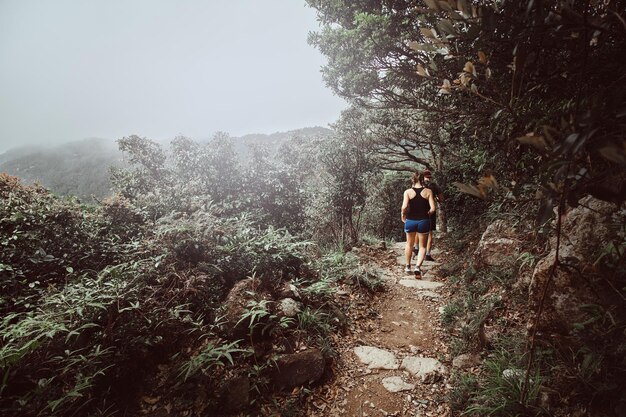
x=430 y=242
x=422 y=239
x=408 y=249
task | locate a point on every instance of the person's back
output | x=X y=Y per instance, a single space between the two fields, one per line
x=418 y=205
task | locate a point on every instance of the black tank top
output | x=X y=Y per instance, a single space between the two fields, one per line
x=418 y=206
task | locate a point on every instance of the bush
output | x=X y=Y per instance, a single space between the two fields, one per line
x=46 y=241
x=127 y=295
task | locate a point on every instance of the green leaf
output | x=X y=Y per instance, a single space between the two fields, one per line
x=614 y=154
x=432 y=4
x=447 y=26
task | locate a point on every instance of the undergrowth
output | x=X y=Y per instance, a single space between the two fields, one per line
x=97 y=300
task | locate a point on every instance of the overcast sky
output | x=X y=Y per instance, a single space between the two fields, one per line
x=71 y=69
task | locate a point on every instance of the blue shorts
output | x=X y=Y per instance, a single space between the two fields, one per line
x=419 y=226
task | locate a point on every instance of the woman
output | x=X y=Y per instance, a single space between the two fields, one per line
x=417 y=207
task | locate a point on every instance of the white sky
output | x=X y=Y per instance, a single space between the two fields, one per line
x=71 y=69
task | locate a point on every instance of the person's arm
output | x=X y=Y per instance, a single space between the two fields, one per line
x=431 y=202
x=405 y=205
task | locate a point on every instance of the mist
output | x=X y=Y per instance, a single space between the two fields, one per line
x=71 y=70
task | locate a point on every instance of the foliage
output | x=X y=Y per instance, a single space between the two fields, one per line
x=480 y=83
x=335 y=213
x=500 y=388
x=130 y=292
x=383 y=201
x=497 y=389
x=367 y=277
x=46 y=240
x=314 y=321
x=211 y=355
x=517 y=105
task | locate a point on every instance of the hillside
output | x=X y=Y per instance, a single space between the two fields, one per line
x=81 y=168
x=77 y=168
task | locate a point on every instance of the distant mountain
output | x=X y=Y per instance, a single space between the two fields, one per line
x=244 y=144
x=81 y=168
x=78 y=168
x=16 y=153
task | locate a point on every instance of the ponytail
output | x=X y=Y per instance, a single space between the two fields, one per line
x=417 y=177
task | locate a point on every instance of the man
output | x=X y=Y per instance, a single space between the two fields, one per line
x=433 y=220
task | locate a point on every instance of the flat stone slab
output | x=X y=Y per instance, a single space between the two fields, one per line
x=396 y=384
x=420 y=284
x=376 y=358
x=428 y=369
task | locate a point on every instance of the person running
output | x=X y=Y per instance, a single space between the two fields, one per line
x=417 y=207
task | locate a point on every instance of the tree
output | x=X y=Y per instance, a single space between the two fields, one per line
x=482 y=74
x=346 y=167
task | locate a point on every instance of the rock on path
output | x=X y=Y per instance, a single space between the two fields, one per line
x=376 y=358
x=429 y=370
x=396 y=384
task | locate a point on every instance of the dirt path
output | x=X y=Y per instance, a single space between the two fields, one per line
x=392 y=362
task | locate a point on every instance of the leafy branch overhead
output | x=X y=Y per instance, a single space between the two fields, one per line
x=536 y=87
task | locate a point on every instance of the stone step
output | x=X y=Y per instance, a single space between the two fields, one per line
x=420 y=284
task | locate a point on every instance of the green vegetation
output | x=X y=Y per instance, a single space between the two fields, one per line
x=95 y=298
x=518 y=108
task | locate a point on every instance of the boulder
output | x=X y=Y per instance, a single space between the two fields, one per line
x=288 y=307
x=570 y=288
x=498 y=245
x=235 y=306
x=289 y=290
x=514 y=375
x=299 y=368
x=234 y=393
x=590 y=219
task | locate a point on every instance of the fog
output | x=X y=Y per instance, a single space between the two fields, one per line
x=76 y=69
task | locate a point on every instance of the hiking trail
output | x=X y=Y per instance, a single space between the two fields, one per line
x=392 y=361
